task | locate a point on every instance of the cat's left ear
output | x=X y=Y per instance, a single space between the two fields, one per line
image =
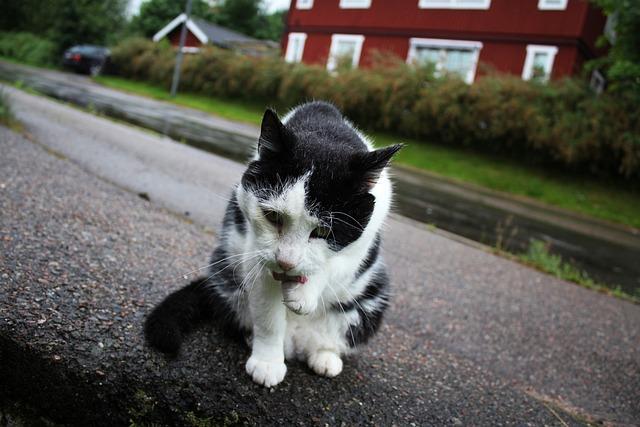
x=274 y=136
x=372 y=163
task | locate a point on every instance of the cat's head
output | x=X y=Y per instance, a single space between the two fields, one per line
x=307 y=196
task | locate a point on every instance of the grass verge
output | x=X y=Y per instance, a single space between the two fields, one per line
x=539 y=256
x=611 y=201
x=7 y=117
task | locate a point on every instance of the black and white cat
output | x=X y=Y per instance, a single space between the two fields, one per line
x=297 y=271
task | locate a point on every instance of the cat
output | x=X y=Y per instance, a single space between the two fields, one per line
x=298 y=271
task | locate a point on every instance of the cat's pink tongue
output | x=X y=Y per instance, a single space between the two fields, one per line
x=282 y=277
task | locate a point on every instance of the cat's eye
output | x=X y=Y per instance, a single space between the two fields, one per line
x=273 y=217
x=320 y=232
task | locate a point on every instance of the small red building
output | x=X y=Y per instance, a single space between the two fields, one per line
x=201 y=33
x=531 y=38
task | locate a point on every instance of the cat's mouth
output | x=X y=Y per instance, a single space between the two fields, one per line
x=285 y=278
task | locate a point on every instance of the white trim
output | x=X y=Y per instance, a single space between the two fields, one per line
x=355 y=4
x=358 y=39
x=532 y=50
x=304 y=4
x=291 y=55
x=547 y=5
x=190 y=49
x=474 y=46
x=195 y=30
x=453 y=4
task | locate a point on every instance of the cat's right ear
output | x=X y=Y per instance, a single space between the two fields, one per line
x=274 y=136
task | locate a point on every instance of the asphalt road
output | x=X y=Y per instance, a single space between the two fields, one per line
x=471 y=338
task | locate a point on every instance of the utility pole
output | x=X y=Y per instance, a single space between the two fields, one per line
x=183 y=38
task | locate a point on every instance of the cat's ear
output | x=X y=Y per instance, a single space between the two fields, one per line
x=274 y=136
x=371 y=164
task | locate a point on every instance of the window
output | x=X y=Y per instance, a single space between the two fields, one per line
x=552 y=4
x=295 y=47
x=345 y=51
x=355 y=4
x=448 y=56
x=454 y=4
x=539 y=62
x=304 y=4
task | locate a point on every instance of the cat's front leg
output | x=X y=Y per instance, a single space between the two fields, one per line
x=266 y=364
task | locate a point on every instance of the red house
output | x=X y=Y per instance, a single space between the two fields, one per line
x=530 y=38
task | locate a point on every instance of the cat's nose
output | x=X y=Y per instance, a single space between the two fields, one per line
x=284 y=265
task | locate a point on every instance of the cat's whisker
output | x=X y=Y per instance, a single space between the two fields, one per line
x=349 y=224
x=348 y=216
x=186 y=275
x=343 y=312
x=355 y=301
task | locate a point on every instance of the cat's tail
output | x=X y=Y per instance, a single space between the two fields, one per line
x=177 y=315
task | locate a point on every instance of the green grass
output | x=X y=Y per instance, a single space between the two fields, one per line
x=7 y=117
x=538 y=256
x=614 y=202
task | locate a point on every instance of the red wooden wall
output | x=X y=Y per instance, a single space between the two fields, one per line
x=505 y=30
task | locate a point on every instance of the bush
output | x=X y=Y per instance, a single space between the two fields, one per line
x=561 y=123
x=29 y=48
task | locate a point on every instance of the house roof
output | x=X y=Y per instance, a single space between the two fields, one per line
x=206 y=32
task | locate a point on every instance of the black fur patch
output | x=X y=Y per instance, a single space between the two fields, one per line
x=198 y=302
x=370 y=319
x=372 y=256
x=233 y=216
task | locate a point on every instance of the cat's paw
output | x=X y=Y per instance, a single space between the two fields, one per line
x=300 y=306
x=266 y=373
x=326 y=363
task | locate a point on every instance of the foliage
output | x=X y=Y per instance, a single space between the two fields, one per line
x=561 y=123
x=622 y=64
x=539 y=256
x=6 y=113
x=247 y=17
x=65 y=22
x=28 y=48
x=155 y=14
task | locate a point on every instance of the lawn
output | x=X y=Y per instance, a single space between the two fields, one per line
x=612 y=201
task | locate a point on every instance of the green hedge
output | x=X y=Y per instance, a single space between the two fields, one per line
x=562 y=123
x=29 y=48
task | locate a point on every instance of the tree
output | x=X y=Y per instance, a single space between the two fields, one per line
x=155 y=14
x=248 y=17
x=622 y=63
x=65 y=22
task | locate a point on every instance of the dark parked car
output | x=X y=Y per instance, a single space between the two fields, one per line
x=86 y=59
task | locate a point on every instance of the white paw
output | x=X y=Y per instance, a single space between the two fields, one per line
x=265 y=373
x=325 y=363
x=300 y=305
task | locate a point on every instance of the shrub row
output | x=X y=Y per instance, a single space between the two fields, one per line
x=27 y=47
x=562 y=123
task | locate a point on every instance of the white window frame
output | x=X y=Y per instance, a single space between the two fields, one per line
x=337 y=38
x=476 y=46
x=291 y=55
x=545 y=5
x=355 y=4
x=304 y=4
x=532 y=49
x=452 y=4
